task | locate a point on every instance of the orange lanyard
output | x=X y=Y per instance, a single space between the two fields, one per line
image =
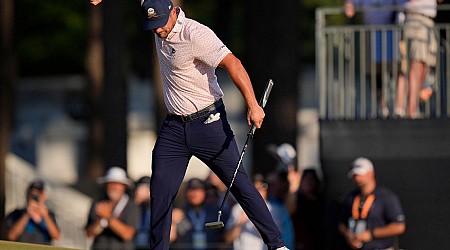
x=367 y=204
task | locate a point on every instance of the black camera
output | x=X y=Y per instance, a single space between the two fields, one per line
x=35 y=197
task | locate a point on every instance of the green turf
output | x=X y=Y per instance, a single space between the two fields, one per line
x=9 y=245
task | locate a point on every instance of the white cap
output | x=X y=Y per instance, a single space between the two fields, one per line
x=360 y=166
x=115 y=174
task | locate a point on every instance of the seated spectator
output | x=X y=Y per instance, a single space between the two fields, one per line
x=142 y=199
x=35 y=223
x=113 y=220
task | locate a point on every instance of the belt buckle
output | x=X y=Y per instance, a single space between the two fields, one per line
x=186 y=118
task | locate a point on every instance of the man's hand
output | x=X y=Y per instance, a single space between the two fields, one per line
x=294 y=178
x=177 y=215
x=95 y=2
x=104 y=209
x=352 y=240
x=349 y=9
x=255 y=115
x=365 y=236
x=34 y=210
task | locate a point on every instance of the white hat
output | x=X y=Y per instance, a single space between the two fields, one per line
x=115 y=174
x=360 y=166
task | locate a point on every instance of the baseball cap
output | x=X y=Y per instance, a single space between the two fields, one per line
x=196 y=183
x=156 y=13
x=115 y=174
x=360 y=166
x=143 y=180
x=37 y=184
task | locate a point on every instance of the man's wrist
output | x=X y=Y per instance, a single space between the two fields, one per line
x=372 y=233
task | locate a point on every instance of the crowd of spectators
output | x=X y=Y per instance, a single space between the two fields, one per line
x=121 y=218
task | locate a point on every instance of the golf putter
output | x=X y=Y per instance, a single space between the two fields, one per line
x=251 y=133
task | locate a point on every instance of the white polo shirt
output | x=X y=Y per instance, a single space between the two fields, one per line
x=188 y=58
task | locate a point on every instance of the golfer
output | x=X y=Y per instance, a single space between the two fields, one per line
x=197 y=125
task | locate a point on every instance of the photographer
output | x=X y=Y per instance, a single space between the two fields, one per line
x=35 y=223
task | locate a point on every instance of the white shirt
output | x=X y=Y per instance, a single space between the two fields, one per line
x=188 y=58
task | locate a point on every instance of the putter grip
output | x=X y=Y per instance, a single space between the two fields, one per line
x=262 y=103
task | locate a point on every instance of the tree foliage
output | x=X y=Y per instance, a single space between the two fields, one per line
x=51 y=36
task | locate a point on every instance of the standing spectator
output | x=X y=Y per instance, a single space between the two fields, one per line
x=35 y=223
x=142 y=200
x=241 y=232
x=372 y=216
x=278 y=197
x=113 y=220
x=380 y=44
x=216 y=191
x=190 y=230
x=421 y=53
x=308 y=214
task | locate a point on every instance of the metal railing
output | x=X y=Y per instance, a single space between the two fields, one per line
x=358 y=66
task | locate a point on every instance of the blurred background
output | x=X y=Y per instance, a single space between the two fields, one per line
x=81 y=92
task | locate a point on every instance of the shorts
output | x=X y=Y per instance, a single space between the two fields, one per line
x=420 y=39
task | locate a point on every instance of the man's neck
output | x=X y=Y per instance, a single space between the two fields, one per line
x=368 y=189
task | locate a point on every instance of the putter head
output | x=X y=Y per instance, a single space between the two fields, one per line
x=214 y=225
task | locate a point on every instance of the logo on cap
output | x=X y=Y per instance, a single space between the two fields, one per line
x=151 y=13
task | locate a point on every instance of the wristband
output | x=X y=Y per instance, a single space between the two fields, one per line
x=372 y=234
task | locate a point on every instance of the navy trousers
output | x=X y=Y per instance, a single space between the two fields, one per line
x=214 y=144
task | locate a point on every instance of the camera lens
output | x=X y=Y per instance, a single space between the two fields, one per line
x=35 y=197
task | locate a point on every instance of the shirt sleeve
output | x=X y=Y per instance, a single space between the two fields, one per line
x=394 y=211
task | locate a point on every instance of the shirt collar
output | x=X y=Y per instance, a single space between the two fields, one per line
x=178 y=24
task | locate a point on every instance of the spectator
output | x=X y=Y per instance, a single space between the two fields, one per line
x=371 y=215
x=241 y=232
x=142 y=200
x=113 y=221
x=308 y=215
x=278 y=197
x=377 y=12
x=421 y=53
x=216 y=190
x=189 y=230
x=35 y=223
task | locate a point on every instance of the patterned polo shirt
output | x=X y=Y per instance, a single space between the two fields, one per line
x=188 y=58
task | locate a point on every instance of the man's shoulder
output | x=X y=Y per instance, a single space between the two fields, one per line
x=15 y=215
x=17 y=212
x=193 y=27
x=384 y=191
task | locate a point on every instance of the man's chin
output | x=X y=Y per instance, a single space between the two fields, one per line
x=162 y=35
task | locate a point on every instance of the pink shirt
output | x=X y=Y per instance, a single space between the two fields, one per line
x=188 y=58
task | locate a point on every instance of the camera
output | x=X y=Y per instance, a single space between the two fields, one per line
x=35 y=197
